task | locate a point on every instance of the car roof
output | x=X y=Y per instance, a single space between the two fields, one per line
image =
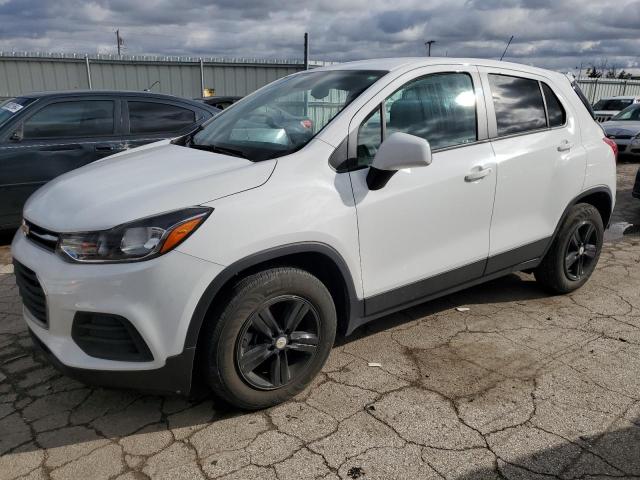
x=116 y=93
x=407 y=63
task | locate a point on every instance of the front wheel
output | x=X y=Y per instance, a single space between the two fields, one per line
x=575 y=251
x=271 y=339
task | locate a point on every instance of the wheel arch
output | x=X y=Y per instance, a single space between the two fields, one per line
x=601 y=198
x=319 y=259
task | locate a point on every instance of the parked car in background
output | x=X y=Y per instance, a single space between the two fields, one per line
x=43 y=135
x=238 y=251
x=606 y=108
x=219 y=102
x=624 y=129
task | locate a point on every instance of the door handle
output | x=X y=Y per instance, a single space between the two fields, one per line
x=104 y=148
x=565 y=146
x=478 y=173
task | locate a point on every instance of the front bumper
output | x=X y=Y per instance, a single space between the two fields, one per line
x=158 y=297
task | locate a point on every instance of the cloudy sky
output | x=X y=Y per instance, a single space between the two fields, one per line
x=558 y=34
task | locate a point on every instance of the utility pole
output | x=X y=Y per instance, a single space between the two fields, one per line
x=506 y=48
x=306 y=51
x=119 y=41
x=428 y=44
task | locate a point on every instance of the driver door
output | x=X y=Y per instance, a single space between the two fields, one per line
x=427 y=230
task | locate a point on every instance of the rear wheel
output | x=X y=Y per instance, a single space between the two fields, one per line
x=575 y=251
x=271 y=339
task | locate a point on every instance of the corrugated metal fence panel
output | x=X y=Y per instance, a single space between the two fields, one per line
x=25 y=72
x=595 y=89
x=242 y=80
x=176 y=79
x=18 y=76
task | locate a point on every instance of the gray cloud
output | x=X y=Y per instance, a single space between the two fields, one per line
x=558 y=34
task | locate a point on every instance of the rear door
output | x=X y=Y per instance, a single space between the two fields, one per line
x=58 y=136
x=148 y=120
x=540 y=163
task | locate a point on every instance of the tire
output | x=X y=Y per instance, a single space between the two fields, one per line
x=244 y=333
x=574 y=252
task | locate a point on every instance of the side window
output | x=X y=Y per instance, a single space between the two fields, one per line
x=557 y=115
x=369 y=138
x=85 y=118
x=152 y=117
x=518 y=104
x=440 y=108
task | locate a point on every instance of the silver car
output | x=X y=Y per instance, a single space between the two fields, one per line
x=624 y=129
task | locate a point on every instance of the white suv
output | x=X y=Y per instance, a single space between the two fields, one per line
x=319 y=203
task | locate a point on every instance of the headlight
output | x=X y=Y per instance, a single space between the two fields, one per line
x=134 y=241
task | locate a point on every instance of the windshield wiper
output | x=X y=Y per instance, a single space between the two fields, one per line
x=218 y=149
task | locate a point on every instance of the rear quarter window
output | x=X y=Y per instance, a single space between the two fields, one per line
x=555 y=110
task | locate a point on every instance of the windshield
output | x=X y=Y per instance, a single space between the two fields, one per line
x=284 y=116
x=612 y=104
x=631 y=113
x=8 y=108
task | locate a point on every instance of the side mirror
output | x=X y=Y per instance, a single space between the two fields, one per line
x=399 y=151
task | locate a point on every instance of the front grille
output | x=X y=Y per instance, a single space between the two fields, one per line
x=621 y=137
x=603 y=118
x=110 y=337
x=41 y=236
x=31 y=291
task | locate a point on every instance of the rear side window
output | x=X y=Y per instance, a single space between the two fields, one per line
x=152 y=117
x=85 y=118
x=557 y=115
x=518 y=104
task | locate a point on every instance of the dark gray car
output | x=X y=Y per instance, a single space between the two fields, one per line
x=43 y=135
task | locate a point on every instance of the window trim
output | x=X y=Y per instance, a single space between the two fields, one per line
x=116 y=123
x=482 y=131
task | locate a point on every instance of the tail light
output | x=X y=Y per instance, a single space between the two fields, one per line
x=306 y=123
x=613 y=145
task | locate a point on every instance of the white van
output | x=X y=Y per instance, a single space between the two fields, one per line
x=320 y=202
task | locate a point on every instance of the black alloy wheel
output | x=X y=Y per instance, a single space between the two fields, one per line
x=581 y=251
x=278 y=342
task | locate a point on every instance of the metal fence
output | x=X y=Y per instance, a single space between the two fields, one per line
x=597 y=88
x=23 y=72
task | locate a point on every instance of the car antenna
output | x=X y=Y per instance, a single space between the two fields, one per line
x=148 y=89
x=506 y=48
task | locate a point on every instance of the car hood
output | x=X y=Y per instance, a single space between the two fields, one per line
x=621 y=128
x=139 y=183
